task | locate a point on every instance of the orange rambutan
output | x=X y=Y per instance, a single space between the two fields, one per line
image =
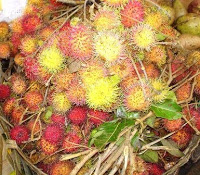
x=47 y=147
x=132 y=13
x=62 y=168
x=81 y=42
x=152 y=71
x=33 y=100
x=16 y=26
x=28 y=45
x=33 y=126
x=4 y=30
x=46 y=32
x=19 y=59
x=128 y=81
x=8 y=106
x=173 y=125
x=197 y=85
x=76 y=93
x=169 y=31
x=17 y=114
x=31 y=23
x=18 y=84
x=4 y=50
x=183 y=93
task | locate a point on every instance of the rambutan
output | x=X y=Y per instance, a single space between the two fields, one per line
x=172 y=125
x=16 y=39
x=197 y=85
x=128 y=81
x=51 y=59
x=48 y=147
x=193 y=58
x=33 y=125
x=154 y=169
x=181 y=138
x=81 y=42
x=122 y=69
x=62 y=168
x=46 y=32
x=55 y=3
x=70 y=142
x=132 y=13
x=18 y=84
x=136 y=99
x=28 y=45
x=157 y=55
x=115 y=3
x=4 y=30
x=98 y=117
x=60 y=102
x=31 y=23
x=31 y=68
x=54 y=133
x=152 y=71
x=8 y=106
x=4 y=91
x=76 y=93
x=16 y=26
x=19 y=59
x=92 y=73
x=169 y=31
x=33 y=100
x=63 y=79
x=183 y=93
x=58 y=118
x=154 y=19
x=77 y=115
x=103 y=94
x=108 y=46
x=19 y=134
x=143 y=37
x=4 y=50
x=17 y=114
x=105 y=19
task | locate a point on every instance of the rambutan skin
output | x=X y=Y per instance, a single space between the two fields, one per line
x=58 y=118
x=62 y=168
x=19 y=134
x=70 y=142
x=172 y=125
x=17 y=114
x=98 y=117
x=78 y=115
x=48 y=147
x=4 y=30
x=19 y=59
x=31 y=23
x=18 y=84
x=4 y=50
x=31 y=68
x=4 y=91
x=54 y=134
x=154 y=169
x=8 y=106
x=132 y=13
x=183 y=93
x=31 y=124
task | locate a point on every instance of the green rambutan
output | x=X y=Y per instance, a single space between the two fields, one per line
x=60 y=102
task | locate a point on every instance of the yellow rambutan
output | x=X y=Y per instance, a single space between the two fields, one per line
x=103 y=94
x=91 y=73
x=105 y=20
x=115 y=3
x=157 y=55
x=60 y=102
x=160 y=90
x=63 y=79
x=193 y=58
x=19 y=59
x=36 y=2
x=4 y=50
x=51 y=59
x=16 y=26
x=137 y=98
x=4 y=30
x=28 y=45
x=31 y=9
x=108 y=46
x=143 y=37
x=154 y=19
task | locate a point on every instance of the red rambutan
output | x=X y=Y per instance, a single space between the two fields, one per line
x=31 y=68
x=58 y=118
x=172 y=125
x=16 y=39
x=78 y=115
x=4 y=91
x=54 y=133
x=70 y=142
x=33 y=100
x=81 y=43
x=19 y=134
x=62 y=168
x=154 y=169
x=48 y=147
x=132 y=13
x=8 y=106
x=31 y=23
x=98 y=117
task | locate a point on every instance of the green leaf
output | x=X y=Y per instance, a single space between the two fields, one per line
x=171 y=96
x=168 y=109
x=122 y=113
x=172 y=149
x=108 y=132
x=135 y=142
x=150 y=156
x=48 y=113
x=150 y=121
x=160 y=37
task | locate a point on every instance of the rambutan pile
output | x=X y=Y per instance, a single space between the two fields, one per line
x=99 y=87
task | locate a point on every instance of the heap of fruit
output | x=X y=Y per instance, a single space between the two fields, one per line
x=102 y=90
